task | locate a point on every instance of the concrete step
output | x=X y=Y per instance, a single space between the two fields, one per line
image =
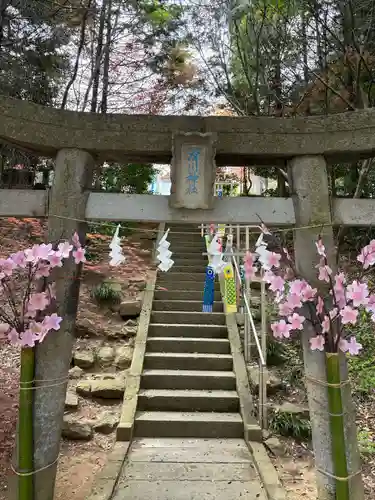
x=185 y=330
x=196 y=318
x=198 y=277
x=191 y=400
x=183 y=305
x=183 y=295
x=183 y=285
x=186 y=344
x=180 y=249
x=199 y=261
x=184 y=424
x=188 y=255
x=188 y=379
x=186 y=242
x=187 y=361
x=190 y=269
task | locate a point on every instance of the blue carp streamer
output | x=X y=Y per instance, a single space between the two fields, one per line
x=209 y=290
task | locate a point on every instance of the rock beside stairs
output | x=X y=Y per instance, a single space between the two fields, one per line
x=73 y=429
x=106 y=387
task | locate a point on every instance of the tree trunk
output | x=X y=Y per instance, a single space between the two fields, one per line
x=98 y=57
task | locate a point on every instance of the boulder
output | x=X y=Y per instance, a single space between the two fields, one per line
x=84 y=359
x=275 y=446
x=84 y=388
x=106 y=424
x=73 y=429
x=130 y=308
x=71 y=400
x=85 y=327
x=274 y=383
x=105 y=355
x=296 y=409
x=108 y=388
x=124 y=357
x=75 y=372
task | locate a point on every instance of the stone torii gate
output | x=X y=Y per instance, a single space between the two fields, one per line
x=79 y=141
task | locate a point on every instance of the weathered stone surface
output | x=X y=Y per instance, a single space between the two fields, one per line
x=71 y=401
x=130 y=308
x=124 y=356
x=75 y=372
x=84 y=388
x=106 y=424
x=84 y=358
x=86 y=328
x=108 y=388
x=73 y=429
x=294 y=408
x=105 y=355
x=274 y=383
x=275 y=446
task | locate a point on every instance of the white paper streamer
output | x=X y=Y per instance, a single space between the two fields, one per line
x=116 y=255
x=164 y=254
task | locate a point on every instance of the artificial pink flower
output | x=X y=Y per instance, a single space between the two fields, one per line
x=324 y=273
x=272 y=259
x=7 y=266
x=358 y=293
x=43 y=271
x=13 y=337
x=65 y=248
x=320 y=248
x=277 y=284
x=52 y=322
x=296 y=321
x=326 y=324
x=79 y=255
x=19 y=258
x=32 y=254
x=348 y=315
x=354 y=347
x=281 y=329
x=268 y=276
x=248 y=258
x=76 y=241
x=320 y=305
x=55 y=259
x=38 y=301
x=317 y=343
x=27 y=339
x=294 y=301
x=308 y=293
x=343 y=345
x=367 y=255
x=44 y=251
x=285 y=309
x=297 y=286
x=370 y=306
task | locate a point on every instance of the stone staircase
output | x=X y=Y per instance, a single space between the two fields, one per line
x=188 y=386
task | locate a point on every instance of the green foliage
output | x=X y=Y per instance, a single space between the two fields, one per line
x=276 y=352
x=106 y=294
x=366 y=442
x=290 y=425
x=362 y=367
x=131 y=178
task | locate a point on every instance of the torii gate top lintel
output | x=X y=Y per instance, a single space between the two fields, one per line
x=148 y=138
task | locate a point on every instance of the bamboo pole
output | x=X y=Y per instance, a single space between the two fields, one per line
x=337 y=426
x=25 y=426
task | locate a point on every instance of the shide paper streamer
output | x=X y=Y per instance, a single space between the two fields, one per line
x=116 y=255
x=164 y=254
